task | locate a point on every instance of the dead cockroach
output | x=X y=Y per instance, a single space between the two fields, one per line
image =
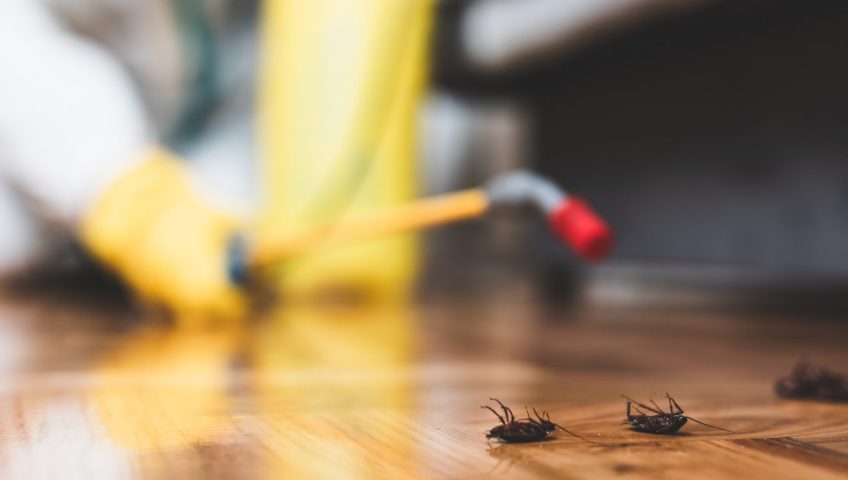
x=660 y=422
x=808 y=381
x=525 y=430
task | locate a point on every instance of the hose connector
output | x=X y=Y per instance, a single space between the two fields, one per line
x=571 y=218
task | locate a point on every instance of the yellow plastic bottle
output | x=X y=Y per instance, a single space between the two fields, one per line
x=340 y=83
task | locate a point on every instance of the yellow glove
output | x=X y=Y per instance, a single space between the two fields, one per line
x=168 y=244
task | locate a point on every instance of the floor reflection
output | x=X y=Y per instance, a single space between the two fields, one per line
x=342 y=391
x=305 y=384
x=53 y=435
x=167 y=390
x=331 y=386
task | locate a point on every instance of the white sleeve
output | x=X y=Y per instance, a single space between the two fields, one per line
x=70 y=120
x=502 y=34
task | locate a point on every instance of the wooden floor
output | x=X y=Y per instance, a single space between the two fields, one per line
x=89 y=389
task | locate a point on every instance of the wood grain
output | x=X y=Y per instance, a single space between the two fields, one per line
x=93 y=390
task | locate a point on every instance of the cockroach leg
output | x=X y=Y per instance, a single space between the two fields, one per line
x=646 y=407
x=510 y=417
x=671 y=402
x=633 y=404
x=539 y=417
x=496 y=413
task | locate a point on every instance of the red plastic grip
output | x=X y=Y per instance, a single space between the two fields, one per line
x=579 y=226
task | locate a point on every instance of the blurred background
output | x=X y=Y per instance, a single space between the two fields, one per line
x=708 y=134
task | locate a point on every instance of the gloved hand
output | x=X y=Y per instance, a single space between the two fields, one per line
x=71 y=131
x=169 y=245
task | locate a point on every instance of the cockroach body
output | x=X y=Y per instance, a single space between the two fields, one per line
x=525 y=430
x=809 y=382
x=660 y=422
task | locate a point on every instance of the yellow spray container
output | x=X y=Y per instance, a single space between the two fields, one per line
x=340 y=84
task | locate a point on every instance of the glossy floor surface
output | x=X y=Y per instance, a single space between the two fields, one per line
x=90 y=389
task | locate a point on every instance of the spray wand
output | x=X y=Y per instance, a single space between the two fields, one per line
x=571 y=219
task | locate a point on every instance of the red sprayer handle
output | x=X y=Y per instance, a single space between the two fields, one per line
x=581 y=228
x=570 y=217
